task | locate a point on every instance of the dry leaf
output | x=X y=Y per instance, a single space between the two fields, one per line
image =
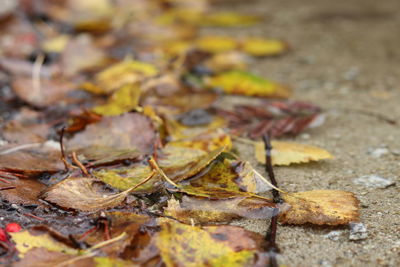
x=244 y=83
x=82 y=193
x=322 y=207
x=206 y=141
x=184 y=245
x=286 y=153
x=27 y=191
x=216 y=44
x=229 y=19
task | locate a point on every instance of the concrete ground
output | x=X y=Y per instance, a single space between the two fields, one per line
x=346 y=58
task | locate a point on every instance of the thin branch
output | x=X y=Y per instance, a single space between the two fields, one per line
x=154 y=165
x=269 y=170
x=67 y=166
x=79 y=164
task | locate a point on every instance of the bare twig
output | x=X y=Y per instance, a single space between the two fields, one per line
x=154 y=165
x=79 y=164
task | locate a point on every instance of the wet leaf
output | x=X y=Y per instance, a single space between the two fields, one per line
x=82 y=193
x=31 y=158
x=286 y=153
x=114 y=138
x=263 y=47
x=26 y=240
x=43 y=92
x=244 y=83
x=123 y=100
x=322 y=207
x=183 y=245
x=27 y=191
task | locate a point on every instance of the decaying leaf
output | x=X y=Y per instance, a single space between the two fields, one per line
x=286 y=153
x=244 y=83
x=216 y=44
x=82 y=193
x=202 y=210
x=114 y=138
x=322 y=207
x=263 y=47
x=184 y=245
x=26 y=240
x=178 y=163
x=123 y=100
x=27 y=191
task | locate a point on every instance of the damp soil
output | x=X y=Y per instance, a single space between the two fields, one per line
x=345 y=57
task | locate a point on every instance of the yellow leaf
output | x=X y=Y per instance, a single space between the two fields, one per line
x=322 y=207
x=26 y=240
x=82 y=194
x=176 y=47
x=215 y=246
x=286 y=153
x=229 y=19
x=178 y=163
x=216 y=44
x=56 y=44
x=263 y=47
x=123 y=100
x=206 y=141
x=128 y=71
x=244 y=83
x=231 y=60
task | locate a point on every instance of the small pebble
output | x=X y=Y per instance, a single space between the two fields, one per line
x=378 y=152
x=333 y=235
x=373 y=181
x=358 y=231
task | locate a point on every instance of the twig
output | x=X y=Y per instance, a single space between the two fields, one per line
x=7 y=188
x=17 y=148
x=67 y=166
x=154 y=165
x=144 y=180
x=33 y=216
x=80 y=165
x=271 y=246
x=37 y=66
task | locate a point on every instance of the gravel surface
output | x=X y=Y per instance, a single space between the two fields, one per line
x=345 y=57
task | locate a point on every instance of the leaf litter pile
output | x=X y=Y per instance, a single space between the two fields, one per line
x=119 y=138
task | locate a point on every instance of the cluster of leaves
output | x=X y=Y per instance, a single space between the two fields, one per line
x=111 y=115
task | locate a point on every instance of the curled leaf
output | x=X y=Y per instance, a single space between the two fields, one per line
x=286 y=153
x=322 y=207
x=83 y=194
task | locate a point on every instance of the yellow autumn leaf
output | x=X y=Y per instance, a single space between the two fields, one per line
x=229 y=19
x=26 y=240
x=231 y=60
x=263 y=47
x=322 y=207
x=245 y=83
x=216 y=44
x=123 y=100
x=213 y=246
x=119 y=74
x=206 y=141
x=56 y=44
x=286 y=153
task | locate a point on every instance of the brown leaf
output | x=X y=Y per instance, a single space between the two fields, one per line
x=329 y=207
x=114 y=138
x=27 y=191
x=83 y=194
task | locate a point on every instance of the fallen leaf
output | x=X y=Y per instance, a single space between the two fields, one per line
x=216 y=44
x=226 y=61
x=263 y=47
x=119 y=74
x=202 y=210
x=244 y=83
x=123 y=100
x=178 y=163
x=82 y=193
x=206 y=141
x=40 y=237
x=229 y=19
x=321 y=207
x=27 y=191
x=286 y=153
x=114 y=138
x=184 y=245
